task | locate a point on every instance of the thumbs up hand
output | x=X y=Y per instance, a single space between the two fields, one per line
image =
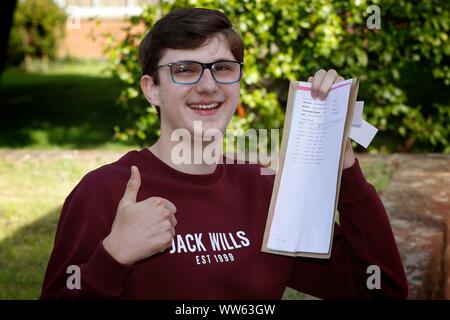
x=140 y=229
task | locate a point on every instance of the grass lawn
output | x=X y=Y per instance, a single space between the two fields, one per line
x=72 y=105
x=33 y=186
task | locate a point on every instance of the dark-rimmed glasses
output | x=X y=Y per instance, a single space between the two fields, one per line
x=190 y=72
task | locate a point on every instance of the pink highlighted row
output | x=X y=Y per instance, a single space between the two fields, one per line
x=303 y=88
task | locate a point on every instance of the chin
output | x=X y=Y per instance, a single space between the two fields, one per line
x=211 y=128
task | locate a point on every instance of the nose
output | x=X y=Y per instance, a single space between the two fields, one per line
x=207 y=83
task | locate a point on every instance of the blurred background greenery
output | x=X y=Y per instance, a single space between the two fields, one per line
x=53 y=101
x=403 y=67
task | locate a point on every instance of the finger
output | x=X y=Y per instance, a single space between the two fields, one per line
x=173 y=220
x=328 y=80
x=310 y=79
x=155 y=202
x=348 y=146
x=316 y=82
x=339 y=79
x=133 y=185
x=169 y=205
x=164 y=238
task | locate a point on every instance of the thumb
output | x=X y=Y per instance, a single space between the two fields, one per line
x=133 y=185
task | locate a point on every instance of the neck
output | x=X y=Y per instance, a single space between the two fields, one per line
x=195 y=164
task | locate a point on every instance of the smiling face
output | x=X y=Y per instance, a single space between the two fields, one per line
x=182 y=104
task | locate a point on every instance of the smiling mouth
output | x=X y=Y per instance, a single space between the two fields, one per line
x=210 y=106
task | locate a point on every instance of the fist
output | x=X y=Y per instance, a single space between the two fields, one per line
x=140 y=229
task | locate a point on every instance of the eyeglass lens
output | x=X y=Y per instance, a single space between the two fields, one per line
x=190 y=72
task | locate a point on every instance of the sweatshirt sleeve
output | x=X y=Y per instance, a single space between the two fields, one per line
x=363 y=238
x=78 y=242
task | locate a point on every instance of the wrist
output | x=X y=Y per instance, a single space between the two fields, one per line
x=111 y=246
x=348 y=162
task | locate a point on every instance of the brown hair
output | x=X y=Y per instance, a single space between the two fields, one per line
x=186 y=29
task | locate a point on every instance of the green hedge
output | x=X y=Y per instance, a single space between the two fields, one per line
x=404 y=66
x=37 y=27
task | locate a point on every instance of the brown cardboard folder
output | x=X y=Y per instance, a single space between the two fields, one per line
x=288 y=122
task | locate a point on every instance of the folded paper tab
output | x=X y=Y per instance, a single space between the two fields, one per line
x=361 y=131
x=357 y=114
x=363 y=135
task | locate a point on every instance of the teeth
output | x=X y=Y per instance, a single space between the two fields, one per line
x=203 y=106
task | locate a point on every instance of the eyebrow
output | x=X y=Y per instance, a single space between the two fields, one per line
x=217 y=60
x=224 y=59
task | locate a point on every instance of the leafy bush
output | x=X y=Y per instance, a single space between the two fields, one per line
x=404 y=66
x=37 y=27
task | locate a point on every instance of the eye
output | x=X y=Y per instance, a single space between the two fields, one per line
x=226 y=67
x=184 y=68
x=223 y=66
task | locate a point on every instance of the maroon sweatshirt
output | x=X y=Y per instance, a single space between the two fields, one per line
x=216 y=252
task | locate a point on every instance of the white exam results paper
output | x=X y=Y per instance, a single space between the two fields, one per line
x=304 y=213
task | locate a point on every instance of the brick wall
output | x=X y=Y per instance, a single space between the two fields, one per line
x=85 y=38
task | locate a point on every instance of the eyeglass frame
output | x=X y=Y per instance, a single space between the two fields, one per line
x=204 y=66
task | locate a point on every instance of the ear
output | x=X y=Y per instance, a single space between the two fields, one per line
x=151 y=90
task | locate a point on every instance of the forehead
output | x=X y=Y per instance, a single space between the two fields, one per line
x=213 y=49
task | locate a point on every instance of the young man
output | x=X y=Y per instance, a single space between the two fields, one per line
x=194 y=231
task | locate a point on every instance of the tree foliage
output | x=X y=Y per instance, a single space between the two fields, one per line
x=37 y=27
x=403 y=66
